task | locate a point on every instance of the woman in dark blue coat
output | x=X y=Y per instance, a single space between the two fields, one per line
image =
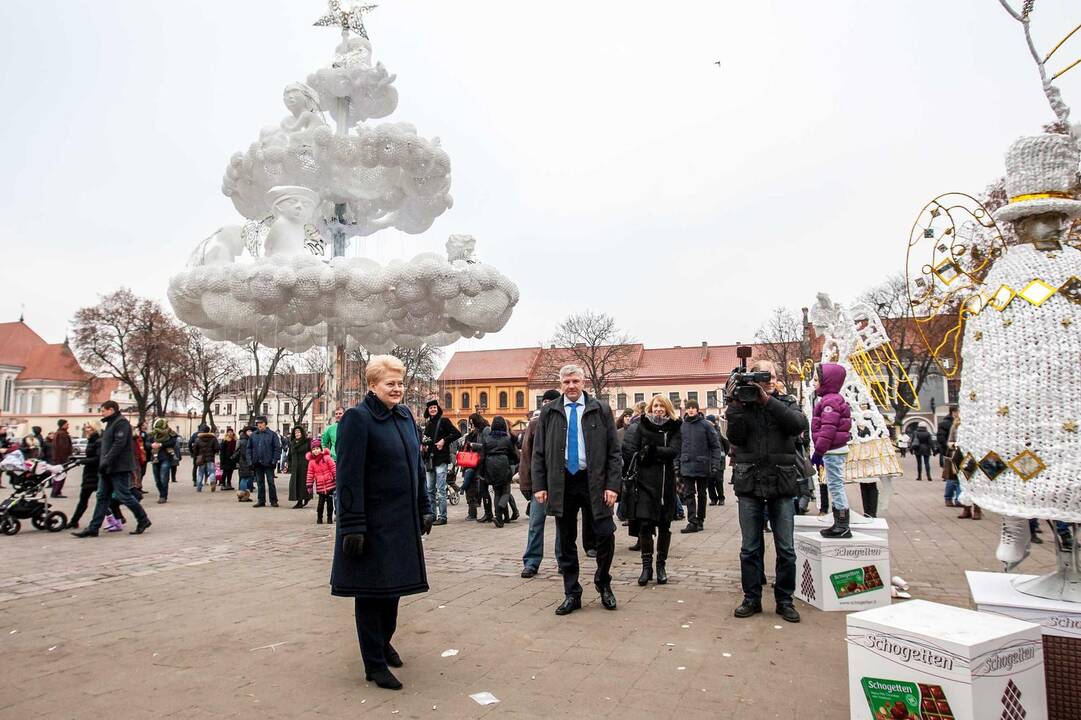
x=383 y=510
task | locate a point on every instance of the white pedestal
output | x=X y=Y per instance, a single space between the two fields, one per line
x=1061 y=626
x=940 y=662
x=873 y=526
x=849 y=574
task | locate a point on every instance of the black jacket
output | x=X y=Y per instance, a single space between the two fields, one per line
x=117 y=454
x=942 y=436
x=241 y=458
x=655 y=451
x=602 y=454
x=435 y=429
x=763 y=442
x=93 y=457
x=205 y=449
x=700 y=455
x=497 y=456
x=922 y=442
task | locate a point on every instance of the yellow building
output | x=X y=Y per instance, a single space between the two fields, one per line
x=491 y=382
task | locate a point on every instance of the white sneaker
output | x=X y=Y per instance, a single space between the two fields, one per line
x=1013 y=545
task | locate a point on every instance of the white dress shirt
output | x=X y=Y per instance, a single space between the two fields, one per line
x=581 y=402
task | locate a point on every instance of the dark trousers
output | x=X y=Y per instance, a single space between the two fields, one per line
x=161 y=478
x=172 y=470
x=377 y=619
x=716 y=486
x=869 y=496
x=120 y=484
x=85 y=493
x=753 y=513
x=264 y=478
x=227 y=476
x=326 y=499
x=923 y=462
x=696 y=499
x=575 y=498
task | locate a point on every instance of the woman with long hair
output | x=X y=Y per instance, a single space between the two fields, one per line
x=651 y=449
x=498 y=456
x=476 y=490
x=299 y=445
x=225 y=458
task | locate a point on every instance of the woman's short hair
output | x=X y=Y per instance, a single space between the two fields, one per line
x=640 y=407
x=382 y=365
x=94 y=425
x=668 y=408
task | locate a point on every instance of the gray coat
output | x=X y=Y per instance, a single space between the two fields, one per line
x=603 y=460
x=701 y=454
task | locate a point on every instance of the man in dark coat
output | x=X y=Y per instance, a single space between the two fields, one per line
x=62 y=450
x=577 y=465
x=765 y=478
x=534 y=544
x=698 y=462
x=115 y=471
x=942 y=438
x=439 y=433
x=922 y=447
x=263 y=450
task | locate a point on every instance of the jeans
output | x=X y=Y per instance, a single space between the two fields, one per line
x=576 y=497
x=377 y=619
x=467 y=480
x=696 y=499
x=953 y=491
x=835 y=479
x=264 y=477
x=161 y=478
x=534 y=544
x=437 y=490
x=205 y=475
x=119 y=483
x=679 y=507
x=245 y=483
x=752 y=552
x=923 y=462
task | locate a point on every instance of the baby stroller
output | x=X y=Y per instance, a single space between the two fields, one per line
x=30 y=482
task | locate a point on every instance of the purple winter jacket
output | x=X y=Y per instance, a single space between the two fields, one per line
x=831 y=424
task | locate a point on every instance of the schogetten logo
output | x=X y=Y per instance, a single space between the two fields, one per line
x=908 y=653
x=1004 y=661
x=857 y=552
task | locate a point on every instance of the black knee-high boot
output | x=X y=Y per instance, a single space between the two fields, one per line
x=645 y=537
x=664 y=541
x=869 y=495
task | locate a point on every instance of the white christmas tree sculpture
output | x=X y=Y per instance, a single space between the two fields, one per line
x=304 y=182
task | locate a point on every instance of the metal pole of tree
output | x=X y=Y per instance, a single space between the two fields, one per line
x=336 y=353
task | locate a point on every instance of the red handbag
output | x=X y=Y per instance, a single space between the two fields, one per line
x=467 y=459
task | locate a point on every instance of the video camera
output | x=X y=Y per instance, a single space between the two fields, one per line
x=746 y=383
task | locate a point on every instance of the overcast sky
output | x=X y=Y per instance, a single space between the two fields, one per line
x=599 y=155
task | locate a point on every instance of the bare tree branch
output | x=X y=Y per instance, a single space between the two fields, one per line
x=594 y=342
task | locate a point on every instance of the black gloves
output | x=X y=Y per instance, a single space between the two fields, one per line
x=353 y=545
x=426 y=522
x=649 y=454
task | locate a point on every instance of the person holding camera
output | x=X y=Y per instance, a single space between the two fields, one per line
x=763 y=428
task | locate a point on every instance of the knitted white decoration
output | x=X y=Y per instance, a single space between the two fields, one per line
x=1021 y=389
x=1041 y=172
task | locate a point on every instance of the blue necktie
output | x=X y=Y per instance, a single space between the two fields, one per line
x=572 y=441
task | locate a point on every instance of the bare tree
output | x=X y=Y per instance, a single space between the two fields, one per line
x=257 y=384
x=208 y=369
x=421 y=369
x=133 y=340
x=779 y=341
x=303 y=380
x=591 y=340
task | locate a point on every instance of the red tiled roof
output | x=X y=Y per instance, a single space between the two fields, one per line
x=490 y=364
x=101 y=389
x=52 y=362
x=16 y=342
x=712 y=360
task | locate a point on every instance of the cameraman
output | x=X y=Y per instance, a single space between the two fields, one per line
x=763 y=434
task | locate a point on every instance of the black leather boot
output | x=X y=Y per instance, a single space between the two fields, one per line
x=839 y=529
x=664 y=541
x=647 y=560
x=869 y=495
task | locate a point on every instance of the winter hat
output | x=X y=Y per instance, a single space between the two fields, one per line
x=316 y=444
x=550 y=395
x=1041 y=173
x=431 y=402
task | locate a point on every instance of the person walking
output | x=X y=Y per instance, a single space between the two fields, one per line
x=952 y=491
x=716 y=482
x=383 y=510
x=164 y=454
x=651 y=456
x=700 y=456
x=263 y=449
x=245 y=472
x=204 y=453
x=537 y=513
x=439 y=433
x=577 y=467
x=330 y=434
x=61 y=453
x=476 y=490
x=922 y=448
x=299 y=446
x=831 y=430
x=194 y=464
x=321 y=480
x=497 y=457
x=225 y=458
x=90 y=476
x=116 y=466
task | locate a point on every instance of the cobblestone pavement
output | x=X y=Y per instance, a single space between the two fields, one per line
x=223 y=611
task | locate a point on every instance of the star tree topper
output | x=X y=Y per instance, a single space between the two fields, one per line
x=351 y=19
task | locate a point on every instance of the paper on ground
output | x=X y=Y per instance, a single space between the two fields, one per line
x=484 y=698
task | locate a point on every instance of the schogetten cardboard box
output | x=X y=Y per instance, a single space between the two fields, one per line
x=848 y=574
x=925 y=661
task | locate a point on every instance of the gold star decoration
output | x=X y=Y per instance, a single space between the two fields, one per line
x=1066 y=322
x=972 y=395
x=978 y=335
x=1070 y=426
x=1004 y=410
x=1007 y=322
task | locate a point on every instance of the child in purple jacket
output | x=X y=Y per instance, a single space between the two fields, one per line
x=831 y=429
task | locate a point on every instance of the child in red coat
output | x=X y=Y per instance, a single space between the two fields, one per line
x=321 y=476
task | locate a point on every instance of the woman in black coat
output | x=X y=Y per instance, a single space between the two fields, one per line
x=498 y=455
x=651 y=449
x=299 y=445
x=383 y=510
x=89 y=485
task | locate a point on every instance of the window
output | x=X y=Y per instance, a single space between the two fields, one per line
x=674 y=397
x=9 y=388
x=228 y=408
x=519 y=399
x=711 y=398
x=540 y=401
x=320 y=408
x=465 y=401
x=502 y=400
x=266 y=408
x=621 y=401
x=286 y=411
x=483 y=399
x=447 y=400
x=217 y=409
x=639 y=397
x=692 y=395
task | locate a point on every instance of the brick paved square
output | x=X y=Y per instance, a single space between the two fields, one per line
x=224 y=611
